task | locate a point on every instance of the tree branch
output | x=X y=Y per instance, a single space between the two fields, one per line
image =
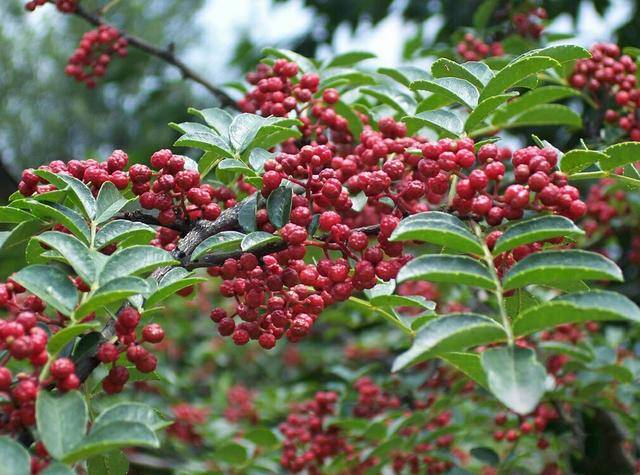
x=140 y=217
x=218 y=259
x=228 y=220
x=166 y=55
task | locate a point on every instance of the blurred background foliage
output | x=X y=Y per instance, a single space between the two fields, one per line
x=45 y=115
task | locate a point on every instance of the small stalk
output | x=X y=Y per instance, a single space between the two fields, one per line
x=499 y=291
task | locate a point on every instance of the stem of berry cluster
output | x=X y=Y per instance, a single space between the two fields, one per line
x=499 y=291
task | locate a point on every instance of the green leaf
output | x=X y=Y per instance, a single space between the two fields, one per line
x=112 y=436
x=485 y=109
x=243 y=130
x=468 y=364
x=60 y=214
x=551 y=267
x=392 y=97
x=218 y=119
x=348 y=59
x=560 y=53
x=130 y=412
x=79 y=192
x=190 y=127
x=449 y=269
x=257 y=240
x=459 y=90
x=438 y=228
x=304 y=64
x=486 y=455
x=224 y=241
x=619 y=373
x=115 y=290
x=73 y=250
x=576 y=352
x=62 y=421
x=110 y=463
x=269 y=136
x=279 y=206
x=483 y=13
x=545 y=114
x=515 y=72
x=535 y=229
x=19 y=234
x=402 y=301
x=350 y=78
x=440 y=120
x=531 y=99
x=515 y=377
x=247 y=213
x=134 y=260
x=233 y=165
x=448 y=333
x=231 y=453
x=620 y=154
x=59 y=340
x=476 y=73
x=120 y=230
x=575 y=161
x=577 y=307
x=262 y=437
x=433 y=101
x=405 y=75
x=173 y=281
x=109 y=202
x=207 y=141
x=15 y=458
x=57 y=468
x=51 y=285
x=9 y=214
x=258 y=157
x=208 y=162
x=353 y=119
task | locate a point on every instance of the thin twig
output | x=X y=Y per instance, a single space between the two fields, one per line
x=166 y=55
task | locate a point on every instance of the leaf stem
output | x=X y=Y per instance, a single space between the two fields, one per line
x=605 y=174
x=499 y=291
x=391 y=318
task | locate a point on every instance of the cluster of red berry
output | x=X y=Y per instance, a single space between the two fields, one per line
x=505 y=260
x=371 y=399
x=129 y=343
x=610 y=78
x=278 y=91
x=274 y=92
x=308 y=441
x=25 y=341
x=281 y=295
x=90 y=60
x=92 y=172
x=176 y=193
x=474 y=49
x=240 y=405
x=427 y=457
x=529 y=24
x=538 y=187
x=186 y=418
x=512 y=429
x=63 y=6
